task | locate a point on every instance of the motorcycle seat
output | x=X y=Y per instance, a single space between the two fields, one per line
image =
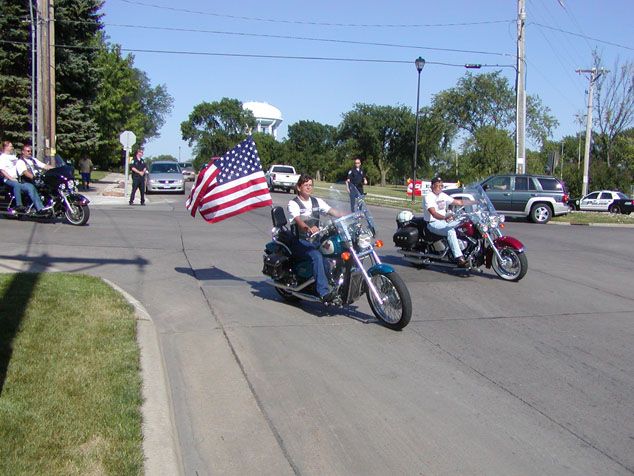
x=429 y=235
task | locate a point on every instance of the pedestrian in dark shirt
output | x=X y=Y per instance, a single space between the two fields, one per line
x=139 y=171
x=356 y=177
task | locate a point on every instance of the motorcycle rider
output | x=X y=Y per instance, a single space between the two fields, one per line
x=439 y=221
x=305 y=211
x=28 y=167
x=8 y=169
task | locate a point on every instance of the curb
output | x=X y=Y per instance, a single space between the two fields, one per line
x=160 y=448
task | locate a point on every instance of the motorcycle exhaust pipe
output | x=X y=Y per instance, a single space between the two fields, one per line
x=297 y=290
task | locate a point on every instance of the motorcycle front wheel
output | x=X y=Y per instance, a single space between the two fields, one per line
x=513 y=266
x=77 y=214
x=395 y=307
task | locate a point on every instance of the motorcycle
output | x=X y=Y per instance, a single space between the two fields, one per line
x=479 y=236
x=352 y=266
x=56 y=187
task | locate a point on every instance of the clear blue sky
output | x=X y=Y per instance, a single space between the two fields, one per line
x=456 y=32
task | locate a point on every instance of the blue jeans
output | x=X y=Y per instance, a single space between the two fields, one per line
x=447 y=228
x=30 y=190
x=306 y=249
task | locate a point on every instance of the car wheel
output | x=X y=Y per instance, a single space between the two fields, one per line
x=614 y=209
x=541 y=213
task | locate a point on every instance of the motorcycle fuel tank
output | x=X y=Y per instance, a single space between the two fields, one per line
x=331 y=246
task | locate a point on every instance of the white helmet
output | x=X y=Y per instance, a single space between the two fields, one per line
x=404 y=216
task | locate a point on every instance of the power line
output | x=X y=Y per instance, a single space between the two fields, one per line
x=583 y=36
x=291 y=37
x=268 y=56
x=301 y=22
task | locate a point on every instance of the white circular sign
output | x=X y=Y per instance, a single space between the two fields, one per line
x=127 y=139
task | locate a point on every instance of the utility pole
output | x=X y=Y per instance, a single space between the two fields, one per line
x=520 y=91
x=594 y=75
x=46 y=78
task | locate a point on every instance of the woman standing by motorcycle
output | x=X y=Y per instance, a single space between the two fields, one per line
x=440 y=221
x=305 y=211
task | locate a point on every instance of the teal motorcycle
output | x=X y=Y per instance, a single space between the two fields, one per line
x=353 y=268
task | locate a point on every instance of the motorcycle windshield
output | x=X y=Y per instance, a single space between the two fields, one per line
x=352 y=224
x=476 y=193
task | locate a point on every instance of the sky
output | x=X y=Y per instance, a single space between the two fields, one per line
x=316 y=60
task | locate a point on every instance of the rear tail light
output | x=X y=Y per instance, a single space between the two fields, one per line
x=566 y=197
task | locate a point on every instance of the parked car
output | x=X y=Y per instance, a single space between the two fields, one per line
x=536 y=197
x=606 y=201
x=165 y=176
x=281 y=176
x=188 y=170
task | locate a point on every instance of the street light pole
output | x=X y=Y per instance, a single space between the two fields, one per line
x=420 y=64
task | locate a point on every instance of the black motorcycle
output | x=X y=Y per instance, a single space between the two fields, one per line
x=57 y=188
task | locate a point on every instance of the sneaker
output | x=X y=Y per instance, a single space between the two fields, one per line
x=130 y=203
x=19 y=209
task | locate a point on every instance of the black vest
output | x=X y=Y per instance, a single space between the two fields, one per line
x=313 y=220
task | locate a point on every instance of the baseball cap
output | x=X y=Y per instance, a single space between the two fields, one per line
x=436 y=180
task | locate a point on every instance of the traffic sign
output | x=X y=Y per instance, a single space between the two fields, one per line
x=127 y=139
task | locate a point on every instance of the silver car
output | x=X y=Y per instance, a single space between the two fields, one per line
x=165 y=176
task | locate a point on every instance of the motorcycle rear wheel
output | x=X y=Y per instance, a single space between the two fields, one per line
x=513 y=268
x=77 y=215
x=396 y=309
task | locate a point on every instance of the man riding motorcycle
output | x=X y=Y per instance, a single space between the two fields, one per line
x=440 y=222
x=305 y=211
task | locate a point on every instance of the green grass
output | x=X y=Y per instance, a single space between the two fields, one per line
x=95 y=175
x=581 y=218
x=70 y=387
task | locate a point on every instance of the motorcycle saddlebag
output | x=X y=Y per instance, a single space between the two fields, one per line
x=276 y=266
x=406 y=237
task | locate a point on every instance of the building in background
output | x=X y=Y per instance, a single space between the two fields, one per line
x=268 y=118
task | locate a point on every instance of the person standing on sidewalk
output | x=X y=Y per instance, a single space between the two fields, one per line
x=85 y=167
x=139 y=171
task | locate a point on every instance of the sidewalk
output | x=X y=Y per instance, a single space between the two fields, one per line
x=109 y=191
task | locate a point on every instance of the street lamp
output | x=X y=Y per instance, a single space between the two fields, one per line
x=420 y=64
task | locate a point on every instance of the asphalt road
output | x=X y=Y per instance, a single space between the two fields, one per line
x=489 y=378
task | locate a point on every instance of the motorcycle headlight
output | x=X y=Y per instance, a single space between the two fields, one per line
x=71 y=183
x=364 y=241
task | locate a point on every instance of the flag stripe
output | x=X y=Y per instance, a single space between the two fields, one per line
x=221 y=205
x=212 y=218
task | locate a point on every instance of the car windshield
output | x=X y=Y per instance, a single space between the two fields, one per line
x=164 y=168
x=283 y=170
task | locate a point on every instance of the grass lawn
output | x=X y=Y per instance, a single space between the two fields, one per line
x=580 y=218
x=95 y=175
x=70 y=387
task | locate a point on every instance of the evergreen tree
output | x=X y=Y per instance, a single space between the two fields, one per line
x=15 y=72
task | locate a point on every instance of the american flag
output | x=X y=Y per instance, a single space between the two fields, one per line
x=230 y=185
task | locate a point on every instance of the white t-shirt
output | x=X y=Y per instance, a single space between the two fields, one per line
x=7 y=163
x=294 y=209
x=440 y=202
